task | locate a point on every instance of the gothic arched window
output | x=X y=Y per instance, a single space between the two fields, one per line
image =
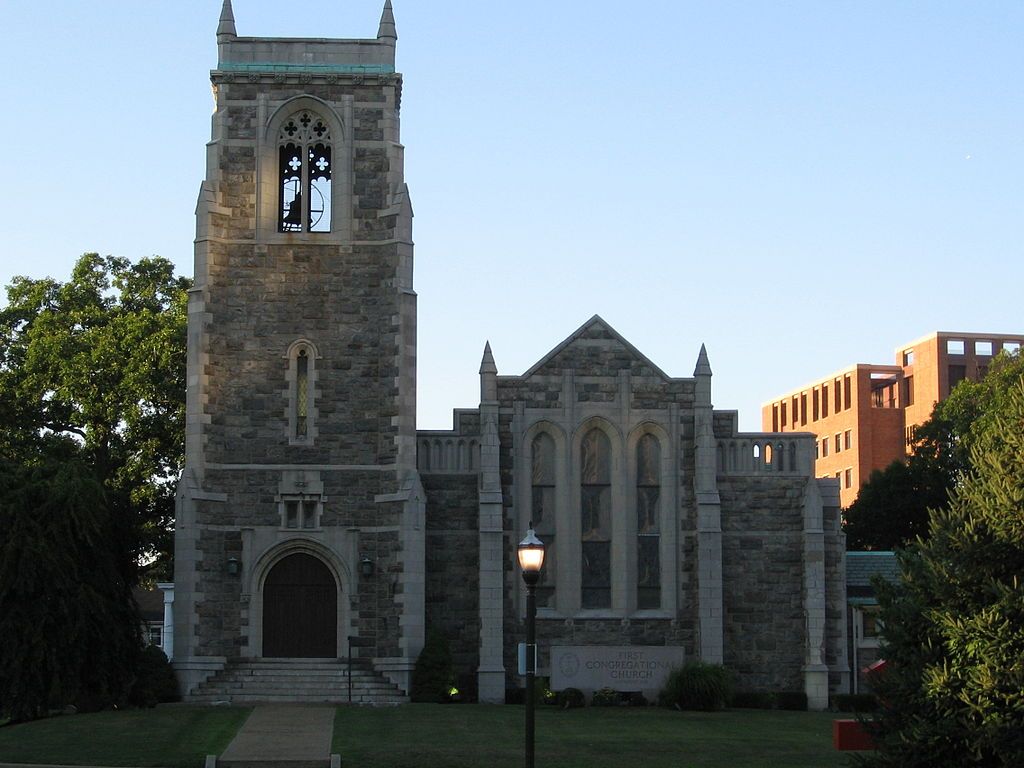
x=542 y=512
x=304 y=174
x=595 y=517
x=648 y=527
x=302 y=357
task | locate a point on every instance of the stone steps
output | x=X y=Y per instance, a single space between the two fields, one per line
x=297 y=681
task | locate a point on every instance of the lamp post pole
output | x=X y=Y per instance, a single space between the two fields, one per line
x=531 y=672
x=531 y=560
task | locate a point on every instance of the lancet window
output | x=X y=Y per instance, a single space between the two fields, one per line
x=304 y=174
x=542 y=511
x=595 y=515
x=301 y=413
x=648 y=523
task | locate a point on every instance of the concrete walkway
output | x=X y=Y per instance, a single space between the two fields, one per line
x=282 y=736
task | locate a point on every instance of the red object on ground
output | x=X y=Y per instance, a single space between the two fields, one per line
x=875 y=669
x=850 y=735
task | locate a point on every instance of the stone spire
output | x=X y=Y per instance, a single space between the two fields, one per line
x=703 y=365
x=226 y=27
x=488 y=376
x=387 y=23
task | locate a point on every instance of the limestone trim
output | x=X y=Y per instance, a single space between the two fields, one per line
x=256 y=575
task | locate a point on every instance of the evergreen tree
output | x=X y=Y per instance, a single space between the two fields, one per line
x=69 y=631
x=953 y=692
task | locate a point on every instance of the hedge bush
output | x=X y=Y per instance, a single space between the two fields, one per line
x=697 y=685
x=434 y=675
x=571 y=698
x=855 y=702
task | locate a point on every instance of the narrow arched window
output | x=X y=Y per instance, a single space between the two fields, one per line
x=595 y=517
x=302 y=394
x=304 y=174
x=648 y=522
x=301 y=410
x=542 y=512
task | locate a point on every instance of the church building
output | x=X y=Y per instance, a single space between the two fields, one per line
x=317 y=528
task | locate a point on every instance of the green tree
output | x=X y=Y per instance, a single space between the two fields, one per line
x=69 y=632
x=953 y=693
x=98 y=363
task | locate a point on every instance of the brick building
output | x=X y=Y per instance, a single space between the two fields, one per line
x=316 y=525
x=864 y=416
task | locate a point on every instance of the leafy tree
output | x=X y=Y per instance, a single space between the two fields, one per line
x=953 y=693
x=98 y=364
x=69 y=631
x=892 y=508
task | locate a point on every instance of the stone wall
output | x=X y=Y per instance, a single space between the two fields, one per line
x=453 y=576
x=762 y=572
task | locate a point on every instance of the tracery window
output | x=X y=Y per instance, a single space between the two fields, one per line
x=595 y=514
x=542 y=511
x=648 y=527
x=304 y=174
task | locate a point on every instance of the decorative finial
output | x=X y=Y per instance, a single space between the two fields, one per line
x=226 y=27
x=387 y=23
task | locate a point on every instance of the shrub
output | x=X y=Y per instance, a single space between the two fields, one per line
x=696 y=685
x=571 y=698
x=753 y=700
x=855 y=702
x=636 y=699
x=155 y=682
x=606 y=697
x=433 y=677
x=792 y=700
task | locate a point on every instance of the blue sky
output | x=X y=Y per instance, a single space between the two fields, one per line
x=799 y=185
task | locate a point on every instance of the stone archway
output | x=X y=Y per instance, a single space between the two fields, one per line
x=300 y=604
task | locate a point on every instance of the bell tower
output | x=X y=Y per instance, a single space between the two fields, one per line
x=300 y=447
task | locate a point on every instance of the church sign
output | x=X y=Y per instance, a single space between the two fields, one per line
x=619 y=667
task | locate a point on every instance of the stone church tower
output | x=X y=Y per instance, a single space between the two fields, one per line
x=300 y=510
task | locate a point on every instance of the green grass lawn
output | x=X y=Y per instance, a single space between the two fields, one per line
x=448 y=736
x=170 y=736
x=470 y=736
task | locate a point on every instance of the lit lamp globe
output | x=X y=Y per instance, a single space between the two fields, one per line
x=531 y=557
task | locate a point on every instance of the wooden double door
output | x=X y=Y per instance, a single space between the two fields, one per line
x=300 y=609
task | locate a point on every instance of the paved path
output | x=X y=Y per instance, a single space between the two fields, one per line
x=285 y=734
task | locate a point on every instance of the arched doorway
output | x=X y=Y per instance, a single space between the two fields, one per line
x=300 y=609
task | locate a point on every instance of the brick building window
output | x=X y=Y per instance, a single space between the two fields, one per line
x=837 y=396
x=983 y=348
x=824 y=448
x=648 y=525
x=847 y=395
x=954 y=346
x=304 y=174
x=839 y=443
x=816 y=403
x=824 y=401
x=595 y=518
x=848 y=439
x=849 y=478
x=543 y=512
x=957 y=373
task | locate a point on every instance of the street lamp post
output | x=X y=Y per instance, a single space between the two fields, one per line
x=531 y=560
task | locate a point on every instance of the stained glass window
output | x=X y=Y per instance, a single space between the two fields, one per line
x=595 y=517
x=542 y=511
x=302 y=394
x=648 y=506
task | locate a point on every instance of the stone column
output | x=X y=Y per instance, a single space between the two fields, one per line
x=491 y=672
x=815 y=669
x=709 y=520
x=167 y=633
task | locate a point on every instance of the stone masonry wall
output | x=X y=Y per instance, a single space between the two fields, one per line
x=453 y=570
x=762 y=571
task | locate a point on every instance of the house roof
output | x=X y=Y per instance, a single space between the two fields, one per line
x=862 y=567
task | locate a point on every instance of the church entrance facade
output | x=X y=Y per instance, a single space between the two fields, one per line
x=300 y=605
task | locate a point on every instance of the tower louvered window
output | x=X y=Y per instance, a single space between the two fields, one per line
x=304 y=174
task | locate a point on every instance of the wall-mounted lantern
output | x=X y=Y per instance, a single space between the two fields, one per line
x=366 y=567
x=234 y=566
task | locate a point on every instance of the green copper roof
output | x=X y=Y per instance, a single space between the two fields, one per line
x=348 y=69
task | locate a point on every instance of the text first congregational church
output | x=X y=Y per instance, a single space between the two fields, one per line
x=315 y=523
